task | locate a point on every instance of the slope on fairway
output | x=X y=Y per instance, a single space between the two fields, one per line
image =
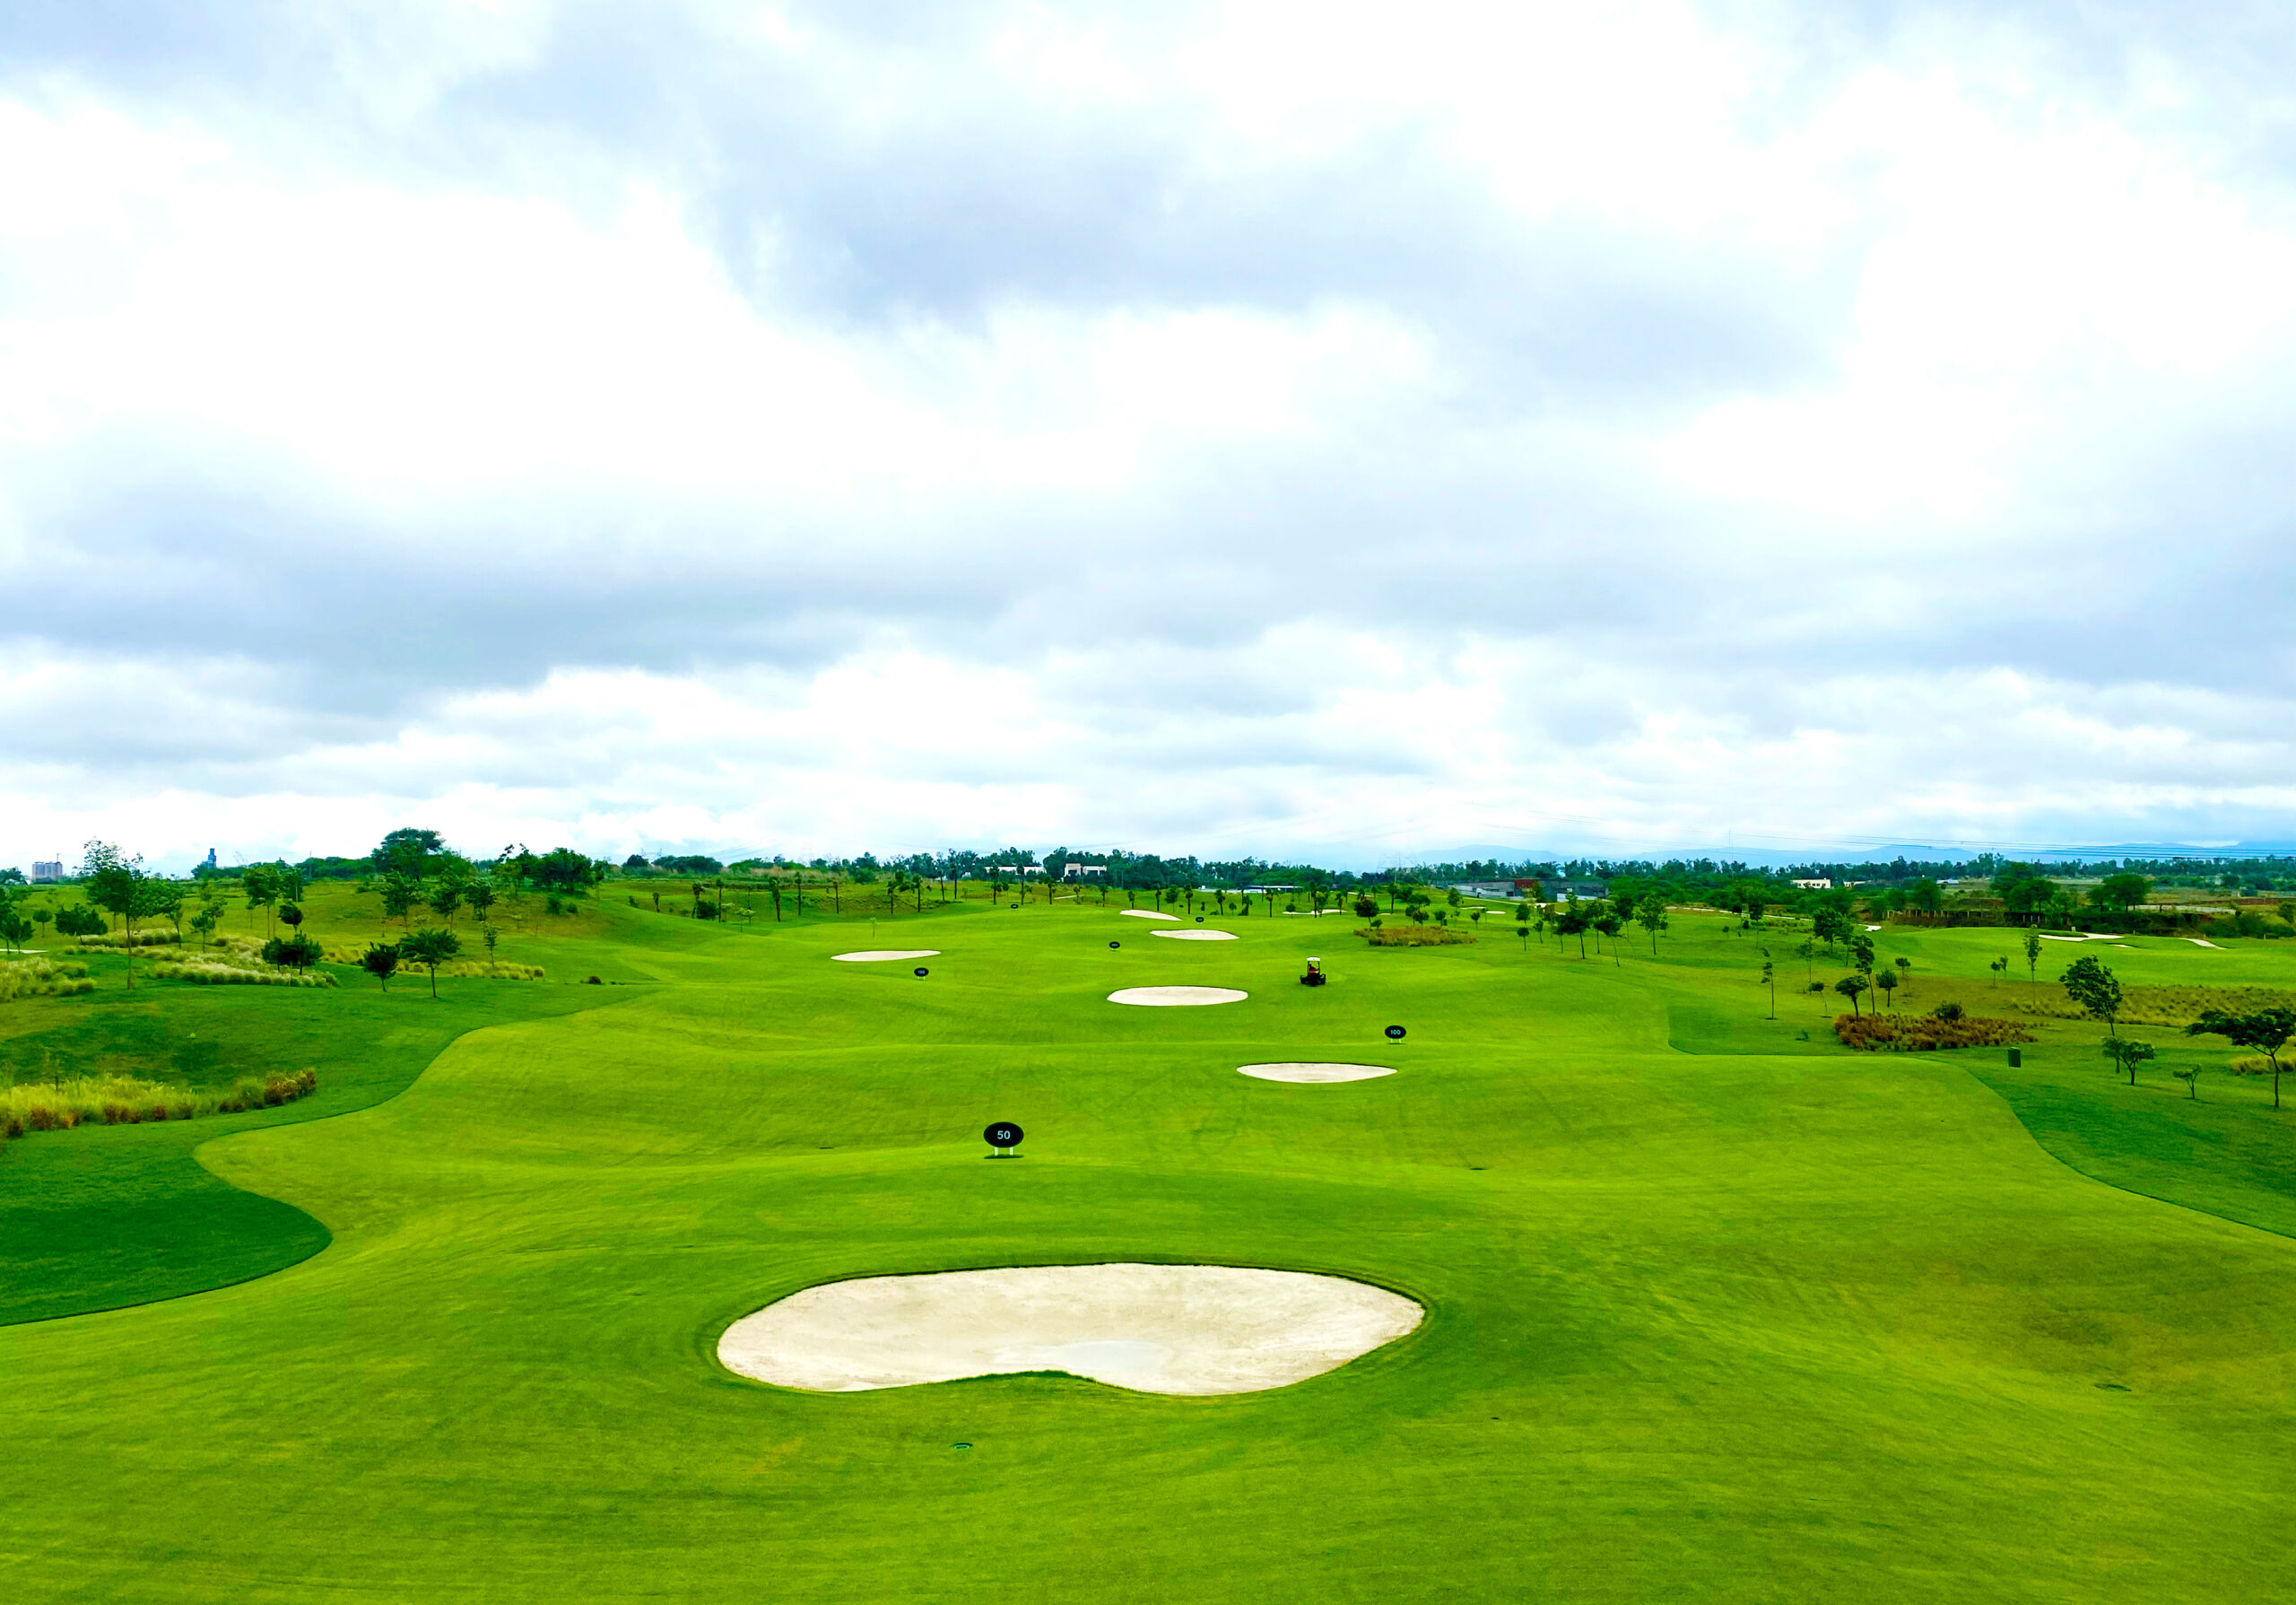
x=1735 y=1327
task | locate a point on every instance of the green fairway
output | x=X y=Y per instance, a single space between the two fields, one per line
x=1717 y=1310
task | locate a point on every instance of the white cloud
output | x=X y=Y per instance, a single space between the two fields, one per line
x=1248 y=426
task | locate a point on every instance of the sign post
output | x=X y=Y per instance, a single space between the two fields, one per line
x=1004 y=1137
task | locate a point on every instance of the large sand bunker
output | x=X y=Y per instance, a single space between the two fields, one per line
x=1314 y=1072
x=1195 y=935
x=1147 y=914
x=1177 y=997
x=873 y=955
x=1157 y=1328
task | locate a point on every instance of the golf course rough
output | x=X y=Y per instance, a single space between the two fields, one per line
x=1153 y=1329
x=1716 y=1309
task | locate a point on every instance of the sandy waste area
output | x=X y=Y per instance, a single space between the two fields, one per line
x=1177 y=997
x=1156 y=1329
x=1314 y=1072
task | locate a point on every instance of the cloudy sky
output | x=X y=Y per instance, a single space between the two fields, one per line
x=1270 y=428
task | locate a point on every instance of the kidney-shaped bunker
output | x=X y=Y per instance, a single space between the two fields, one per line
x=1156 y=1329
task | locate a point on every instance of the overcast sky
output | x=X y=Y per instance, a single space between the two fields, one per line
x=1308 y=429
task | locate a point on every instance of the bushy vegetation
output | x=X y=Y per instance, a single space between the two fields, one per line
x=2161 y=1005
x=1925 y=1034
x=472 y=969
x=223 y=971
x=43 y=977
x=61 y=1104
x=1413 y=936
x=119 y=940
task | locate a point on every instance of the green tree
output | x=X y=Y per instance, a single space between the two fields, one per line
x=430 y=948
x=259 y=885
x=293 y=952
x=2024 y=890
x=2032 y=958
x=2121 y=895
x=117 y=883
x=2092 y=985
x=409 y=852
x=2266 y=1030
x=1574 y=922
x=2127 y=1054
x=444 y=897
x=1769 y=979
x=1851 y=986
x=401 y=895
x=480 y=896
x=1650 y=915
x=1905 y=973
x=380 y=961
x=1927 y=898
x=1887 y=982
x=1807 y=950
x=1611 y=925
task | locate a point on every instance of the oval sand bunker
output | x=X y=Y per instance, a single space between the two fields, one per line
x=873 y=955
x=1195 y=935
x=1145 y=914
x=1177 y=997
x=1314 y=1072
x=1156 y=1329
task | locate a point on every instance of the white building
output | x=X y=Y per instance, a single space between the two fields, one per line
x=1074 y=871
x=1015 y=871
x=1813 y=885
x=47 y=869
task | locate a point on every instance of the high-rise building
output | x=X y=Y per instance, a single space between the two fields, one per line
x=47 y=869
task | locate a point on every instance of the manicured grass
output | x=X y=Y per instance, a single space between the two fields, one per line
x=1718 y=1310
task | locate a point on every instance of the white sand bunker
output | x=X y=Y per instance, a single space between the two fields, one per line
x=1157 y=1328
x=1195 y=935
x=874 y=953
x=1147 y=914
x=2202 y=942
x=1314 y=1072
x=1177 y=997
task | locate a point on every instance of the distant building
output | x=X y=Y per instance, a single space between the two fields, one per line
x=1487 y=888
x=1578 y=891
x=47 y=869
x=1074 y=871
x=1813 y=885
x=1015 y=871
x=211 y=858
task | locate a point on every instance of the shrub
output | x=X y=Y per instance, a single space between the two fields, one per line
x=1414 y=936
x=1919 y=1034
x=1948 y=1011
x=297 y=952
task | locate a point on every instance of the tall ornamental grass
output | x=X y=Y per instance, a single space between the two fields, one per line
x=127 y=1100
x=43 y=977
